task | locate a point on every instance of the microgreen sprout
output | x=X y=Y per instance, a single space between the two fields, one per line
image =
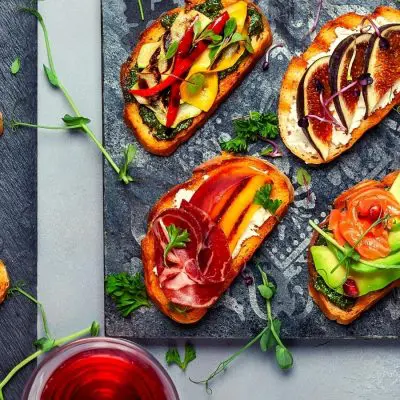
x=266 y=63
x=317 y=17
x=383 y=42
x=268 y=338
x=46 y=343
x=75 y=122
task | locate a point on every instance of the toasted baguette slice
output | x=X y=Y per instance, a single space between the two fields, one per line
x=296 y=70
x=4 y=282
x=363 y=303
x=282 y=189
x=226 y=85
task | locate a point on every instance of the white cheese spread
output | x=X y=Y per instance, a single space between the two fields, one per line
x=259 y=218
x=182 y=194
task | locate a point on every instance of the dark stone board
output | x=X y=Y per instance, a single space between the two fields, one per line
x=18 y=166
x=240 y=313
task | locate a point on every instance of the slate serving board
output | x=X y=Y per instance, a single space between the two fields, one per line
x=18 y=154
x=240 y=313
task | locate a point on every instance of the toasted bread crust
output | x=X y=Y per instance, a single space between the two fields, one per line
x=4 y=282
x=297 y=68
x=226 y=86
x=363 y=303
x=284 y=191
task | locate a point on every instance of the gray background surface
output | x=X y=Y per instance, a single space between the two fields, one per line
x=18 y=189
x=71 y=248
x=240 y=312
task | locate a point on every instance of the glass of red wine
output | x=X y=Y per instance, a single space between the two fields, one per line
x=100 y=369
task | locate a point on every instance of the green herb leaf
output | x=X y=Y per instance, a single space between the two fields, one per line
x=178 y=238
x=266 y=291
x=172 y=356
x=51 y=76
x=129 y=155
x=236 y=37
x=15 y=66
x=214 y=50
x=197 y=28
x=127 y=291
x=69 y=120
x=262 y=198
x=249 y=130
x=248 y=46
x=196 y=83
x=303 y=177
x=283 y=357
x=95 y=329
x=45 y=344
x=268 y=340
x=173 y=47
x=230 y=27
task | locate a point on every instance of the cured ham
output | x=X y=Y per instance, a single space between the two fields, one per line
x=192 y=276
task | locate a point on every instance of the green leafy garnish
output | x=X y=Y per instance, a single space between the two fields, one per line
x=127 y=291
x=172 y=356
x=263 y=198
x=173 y=47
x=129 y=155
x=15 y=66
x=303 y=177
x=250 y=130
x=268 y=338
x=230 y=37
x=46 y=343
x=178 y=238
x=196 y=83
x=77 y=121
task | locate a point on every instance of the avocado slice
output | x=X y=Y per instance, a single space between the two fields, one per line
x=368 y=279
x=395 y=189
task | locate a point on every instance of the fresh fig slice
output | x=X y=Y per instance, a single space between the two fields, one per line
x=315 y=80
x=350 y=53
x=383 y=63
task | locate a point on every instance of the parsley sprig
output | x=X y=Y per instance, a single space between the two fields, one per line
x=178 y=238
x=172 y=356
x=77 y=121
x=47 y=342
x=268 y=338
x=127 y=291
x=263 y=198
x=249 y=130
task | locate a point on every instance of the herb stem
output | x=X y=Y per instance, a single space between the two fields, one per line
x=55 y=128
x=327 y=237
x=41 y=309
x=140 y=4
x=38 y=353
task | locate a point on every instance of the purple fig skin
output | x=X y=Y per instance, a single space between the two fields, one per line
x=335 y=62
x=368 y=54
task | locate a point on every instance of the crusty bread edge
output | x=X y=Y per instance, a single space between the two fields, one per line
x=297 y=68
x=226 y=86
x=248 y=247
x=363 y=303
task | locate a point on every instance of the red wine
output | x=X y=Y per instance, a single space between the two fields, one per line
x=105 y=374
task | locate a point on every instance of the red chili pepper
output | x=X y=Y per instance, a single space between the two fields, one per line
x=183 y=60
x=173 y=105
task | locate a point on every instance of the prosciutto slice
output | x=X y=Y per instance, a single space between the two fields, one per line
x=193 y=276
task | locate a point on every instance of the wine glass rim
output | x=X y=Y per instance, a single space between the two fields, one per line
x=37 y=382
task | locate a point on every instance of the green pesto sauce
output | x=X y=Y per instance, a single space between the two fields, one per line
x=210 y=8
x=130 y=80
x=158 y=129
x=167 y=20
x=334 y=297
x=223 y=74
x=256 y=25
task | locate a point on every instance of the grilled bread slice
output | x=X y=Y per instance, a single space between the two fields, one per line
x=282 y=189
x=4 y=282
x=226 y=85
x=295 y=72
x=362 y=303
